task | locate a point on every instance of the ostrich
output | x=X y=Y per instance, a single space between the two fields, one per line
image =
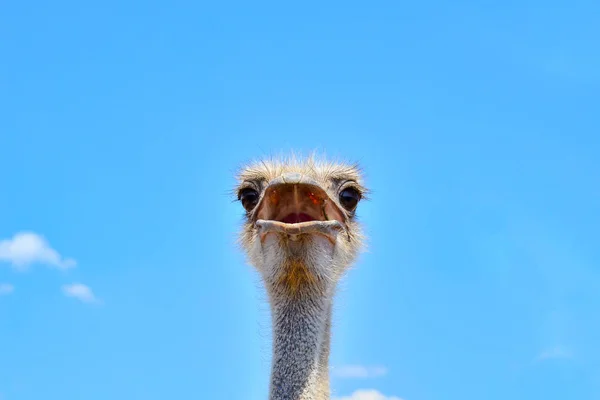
x=301 y=234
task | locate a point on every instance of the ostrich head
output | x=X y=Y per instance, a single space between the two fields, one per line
x=301 y=234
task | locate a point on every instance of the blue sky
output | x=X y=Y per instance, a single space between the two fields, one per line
x=122 y=123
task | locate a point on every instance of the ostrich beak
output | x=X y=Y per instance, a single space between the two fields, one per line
x=295 y=204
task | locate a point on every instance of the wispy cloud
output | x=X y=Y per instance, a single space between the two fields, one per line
x=26 y=248
x=6 y=288
x=557 y=352
x=358 y=371
x=80 y=292
x=367 y=394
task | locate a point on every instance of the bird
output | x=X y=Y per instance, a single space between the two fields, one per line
x=300 y=232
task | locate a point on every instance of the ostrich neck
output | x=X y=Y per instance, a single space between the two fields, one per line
x=301 y=336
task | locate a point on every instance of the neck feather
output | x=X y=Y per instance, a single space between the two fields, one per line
x=301 y=335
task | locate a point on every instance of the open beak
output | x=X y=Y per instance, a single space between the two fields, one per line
x=295 y=204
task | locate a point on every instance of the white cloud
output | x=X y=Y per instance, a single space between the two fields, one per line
x=6 y=288
x=556 y=352
x=80 y=291
x=26 y=248
x=358 y=371
x=367 y=394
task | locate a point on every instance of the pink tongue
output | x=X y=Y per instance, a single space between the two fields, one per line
x=295 y=218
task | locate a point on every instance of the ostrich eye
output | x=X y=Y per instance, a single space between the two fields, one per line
x=349 y=198
x=249 y=198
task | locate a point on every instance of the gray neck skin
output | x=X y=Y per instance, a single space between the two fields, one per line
x=301 y=334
